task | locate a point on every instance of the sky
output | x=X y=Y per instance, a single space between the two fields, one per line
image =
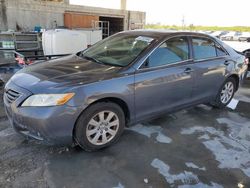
x=172 y=12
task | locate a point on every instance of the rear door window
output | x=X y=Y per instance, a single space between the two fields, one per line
x=203 y=48
x=172 y=51
x=220 y=51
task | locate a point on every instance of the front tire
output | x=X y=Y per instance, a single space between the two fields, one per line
x=225 y=94
x=1 y=84
x=99 y=126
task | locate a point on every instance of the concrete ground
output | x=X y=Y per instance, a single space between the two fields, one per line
x=200 y=147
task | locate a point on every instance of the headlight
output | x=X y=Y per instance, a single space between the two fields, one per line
x=48 y=99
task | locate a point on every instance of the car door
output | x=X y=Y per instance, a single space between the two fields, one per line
x=210 y=61
x=165 y=80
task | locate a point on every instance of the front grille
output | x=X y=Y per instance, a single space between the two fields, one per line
x=11 y=95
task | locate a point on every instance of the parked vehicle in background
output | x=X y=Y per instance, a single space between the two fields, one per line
x=208 y=32
x=13 y=61
x=216 y=34
x=219 y=34
x=241 y=47
x=228 y=36
x=238 y=46
x=8 y=66
x=200 y=31
x=245 y=36
x=88 y=98
x=237 y=36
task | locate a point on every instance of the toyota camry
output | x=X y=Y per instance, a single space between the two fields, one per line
x=89 y=97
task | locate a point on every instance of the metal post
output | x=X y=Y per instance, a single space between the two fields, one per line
x=123 y=4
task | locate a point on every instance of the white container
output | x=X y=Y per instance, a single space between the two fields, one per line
x=93 y=35
x=63 y=41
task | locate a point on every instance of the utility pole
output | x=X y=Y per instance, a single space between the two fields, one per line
x=66 y=2
x=123 y=4
x=183 y=22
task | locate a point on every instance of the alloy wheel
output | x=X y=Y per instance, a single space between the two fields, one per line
x=102 y=127
x=227 y=92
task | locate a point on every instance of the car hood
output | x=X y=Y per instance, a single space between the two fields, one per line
x=63 y=72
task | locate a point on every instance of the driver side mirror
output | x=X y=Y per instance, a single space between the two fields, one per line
x=145 y=64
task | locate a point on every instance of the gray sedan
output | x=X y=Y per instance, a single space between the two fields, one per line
x=88 y=98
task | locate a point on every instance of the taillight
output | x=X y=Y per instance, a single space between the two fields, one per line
x=246 y=61
x=20 y=60
x=29 y=62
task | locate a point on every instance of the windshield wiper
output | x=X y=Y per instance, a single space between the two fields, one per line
x=92 y=59
x=112 y=64
x=101 y=62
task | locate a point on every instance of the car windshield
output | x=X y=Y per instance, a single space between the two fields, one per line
x=118 y=50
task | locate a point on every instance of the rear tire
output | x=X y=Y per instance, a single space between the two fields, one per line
x=99 y=126
x=225 y=94
x=2 y=83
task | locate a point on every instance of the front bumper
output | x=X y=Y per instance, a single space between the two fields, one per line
x=54 y=125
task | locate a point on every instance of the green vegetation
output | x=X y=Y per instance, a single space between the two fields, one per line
x=199 y=28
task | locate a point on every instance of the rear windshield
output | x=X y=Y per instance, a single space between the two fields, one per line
x=118 y=50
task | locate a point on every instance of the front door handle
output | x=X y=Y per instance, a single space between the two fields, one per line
x=188 y=70
x=226 y=62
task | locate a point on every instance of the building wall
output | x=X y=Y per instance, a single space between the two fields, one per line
x=3 y=15
x=24 y=15
x=75 y=20
x=137 y=20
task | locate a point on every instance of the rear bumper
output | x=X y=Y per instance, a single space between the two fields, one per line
x=53 y=125
x=243 y=74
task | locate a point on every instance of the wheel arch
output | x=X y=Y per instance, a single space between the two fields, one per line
x=115 y=100
x=237 y=80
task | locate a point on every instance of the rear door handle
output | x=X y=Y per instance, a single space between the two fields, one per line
x=188 y=70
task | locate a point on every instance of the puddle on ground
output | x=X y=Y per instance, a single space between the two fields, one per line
x=7 y=132
x=201 y=185
x=242 y=98
x=188 y=179
x=205 y=107
x=119 y=186
x=149 y=130
x=192 y=165
x=230 y=148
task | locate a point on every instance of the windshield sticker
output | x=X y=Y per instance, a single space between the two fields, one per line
x=144 y=39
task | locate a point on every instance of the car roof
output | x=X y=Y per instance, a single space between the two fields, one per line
x=164 y=33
